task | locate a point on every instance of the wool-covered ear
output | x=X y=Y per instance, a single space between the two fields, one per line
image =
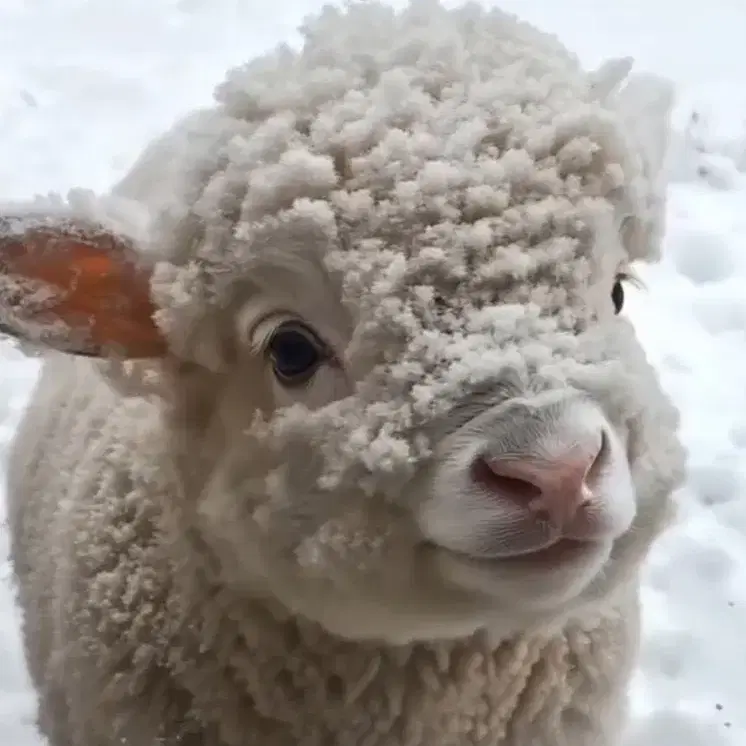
x=646 y=102
x=606 y=79
x=75 y=287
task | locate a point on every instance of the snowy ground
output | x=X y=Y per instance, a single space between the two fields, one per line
x=84 y=83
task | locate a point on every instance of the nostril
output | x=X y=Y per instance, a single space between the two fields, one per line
x=552 y=483
x=495 y=477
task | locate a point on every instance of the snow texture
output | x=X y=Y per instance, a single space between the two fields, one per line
x=84 y=84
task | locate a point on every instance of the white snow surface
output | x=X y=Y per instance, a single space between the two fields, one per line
x=85 y=83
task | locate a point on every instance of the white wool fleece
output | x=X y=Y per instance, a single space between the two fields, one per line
x=452 y=196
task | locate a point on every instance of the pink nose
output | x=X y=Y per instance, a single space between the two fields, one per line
x=553 y=489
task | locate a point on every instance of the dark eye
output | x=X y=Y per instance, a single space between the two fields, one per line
x=617 y=295
x=296 y=354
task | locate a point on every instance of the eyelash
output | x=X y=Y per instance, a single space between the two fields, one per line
x=617 y=291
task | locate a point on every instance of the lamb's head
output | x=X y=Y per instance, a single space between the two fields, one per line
x=404 y=397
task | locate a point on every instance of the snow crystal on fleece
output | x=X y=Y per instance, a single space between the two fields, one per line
x=470 y=190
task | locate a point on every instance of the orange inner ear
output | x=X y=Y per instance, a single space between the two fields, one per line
x=100 y=291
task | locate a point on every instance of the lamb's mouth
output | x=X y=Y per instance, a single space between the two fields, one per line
x=561 y=551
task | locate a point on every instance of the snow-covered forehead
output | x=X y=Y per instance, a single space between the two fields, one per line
x=444 y=160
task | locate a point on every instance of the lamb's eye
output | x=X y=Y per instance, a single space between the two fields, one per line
x=617 y=294
x=296 y=354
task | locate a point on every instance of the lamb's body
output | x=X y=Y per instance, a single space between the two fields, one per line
x=114 y=626
x=174 y=596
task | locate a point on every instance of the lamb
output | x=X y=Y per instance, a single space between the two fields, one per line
x=342 y=435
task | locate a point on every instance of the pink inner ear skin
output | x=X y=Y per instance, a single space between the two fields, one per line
x=80 y=283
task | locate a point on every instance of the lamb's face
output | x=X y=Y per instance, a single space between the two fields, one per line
x=518 y=484
x=459 y=427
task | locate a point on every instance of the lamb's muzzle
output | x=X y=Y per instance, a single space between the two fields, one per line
x=534 y=472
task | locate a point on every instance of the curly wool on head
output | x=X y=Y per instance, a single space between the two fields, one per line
x=409 y=145
x=433 y=162
x=395 y=475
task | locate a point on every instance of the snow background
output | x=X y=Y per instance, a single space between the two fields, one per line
x=85 y=83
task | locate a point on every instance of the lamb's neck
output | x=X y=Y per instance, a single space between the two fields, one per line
x=291 y=677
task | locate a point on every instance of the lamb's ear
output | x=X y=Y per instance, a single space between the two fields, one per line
x=607 y=78
x=646 y=102
x=75 y=287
